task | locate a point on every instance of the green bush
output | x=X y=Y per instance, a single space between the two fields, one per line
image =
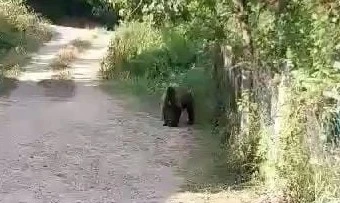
x=128 y=42
x=139 y=50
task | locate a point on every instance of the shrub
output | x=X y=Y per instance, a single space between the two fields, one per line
x=129 y=41
x=140 y=51
x=21 y=30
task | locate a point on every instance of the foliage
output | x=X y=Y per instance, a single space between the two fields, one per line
x=265 y=34
x=130 y=41
x=20 y=30
x=93 y=10
x=139 y=50
x=157 y=10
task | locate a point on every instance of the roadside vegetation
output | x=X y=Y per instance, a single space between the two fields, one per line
x=21 y=32
x=263 y=77
x=69 y=53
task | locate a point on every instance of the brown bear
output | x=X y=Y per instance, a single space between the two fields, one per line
x=174 y=101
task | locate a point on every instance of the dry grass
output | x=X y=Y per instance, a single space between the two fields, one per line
x=65 y=56
x=69 y=53
x=22 y=32
x=81 y=45
x=13 y=59
x=62 y=75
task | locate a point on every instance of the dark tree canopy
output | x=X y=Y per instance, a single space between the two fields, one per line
x=94 y=10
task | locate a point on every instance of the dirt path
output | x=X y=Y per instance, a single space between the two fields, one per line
x=71 y=142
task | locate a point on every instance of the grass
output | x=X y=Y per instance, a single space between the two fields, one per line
x=81 y=44
x=69 y=53
x=128 y=42
x=22 y=32
x=327 y=177
x=62 y=75
x=65 y=56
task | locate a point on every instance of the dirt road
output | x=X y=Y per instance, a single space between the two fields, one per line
x=73 y=143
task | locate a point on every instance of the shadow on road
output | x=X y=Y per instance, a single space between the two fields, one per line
x=206 y=169
x=51 y=88
x=7 y=85
x=63 y=88
x=78 y=22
